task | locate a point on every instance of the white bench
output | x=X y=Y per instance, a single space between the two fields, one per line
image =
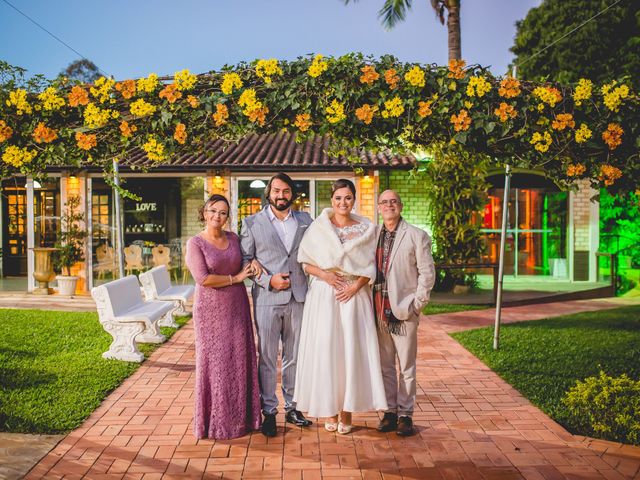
x=156 y=285
x=128 y=318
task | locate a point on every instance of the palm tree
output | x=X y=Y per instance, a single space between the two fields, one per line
x=395 y=11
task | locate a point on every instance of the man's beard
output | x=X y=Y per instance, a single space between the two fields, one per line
x=282 y=206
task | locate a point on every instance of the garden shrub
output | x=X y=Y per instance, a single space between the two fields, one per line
x=606 y=407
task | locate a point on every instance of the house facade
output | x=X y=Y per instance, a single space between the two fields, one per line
x=550 y=233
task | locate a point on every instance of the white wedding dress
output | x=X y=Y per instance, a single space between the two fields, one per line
x=338 y=357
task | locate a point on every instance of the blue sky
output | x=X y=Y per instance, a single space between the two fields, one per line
x=132 y=38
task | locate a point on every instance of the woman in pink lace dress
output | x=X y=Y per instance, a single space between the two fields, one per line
x=227 y=402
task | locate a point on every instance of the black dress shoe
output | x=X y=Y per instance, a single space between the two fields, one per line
x=405 y=427
x=388 y=423
x=269 y=425
x=296 y=417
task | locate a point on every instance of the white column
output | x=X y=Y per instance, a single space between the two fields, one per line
x=594 y=238
x=30 y=235
x=88 y=251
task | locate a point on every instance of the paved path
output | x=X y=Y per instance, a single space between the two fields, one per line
x=472 y=425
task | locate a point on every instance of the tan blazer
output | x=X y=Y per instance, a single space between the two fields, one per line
x=411 y=273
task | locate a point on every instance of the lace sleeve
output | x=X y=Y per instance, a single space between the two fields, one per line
x=196 y=262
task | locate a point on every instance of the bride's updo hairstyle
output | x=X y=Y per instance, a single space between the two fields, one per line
x=343 y=183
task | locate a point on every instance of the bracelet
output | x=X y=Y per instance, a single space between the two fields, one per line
x=230 y=280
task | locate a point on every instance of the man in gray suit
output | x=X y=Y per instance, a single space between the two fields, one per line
x=271 y=237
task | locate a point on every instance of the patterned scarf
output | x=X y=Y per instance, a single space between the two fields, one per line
x=385 y=319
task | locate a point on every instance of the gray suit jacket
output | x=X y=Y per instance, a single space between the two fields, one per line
x=259 y=240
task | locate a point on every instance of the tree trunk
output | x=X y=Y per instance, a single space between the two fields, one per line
x=453 y=26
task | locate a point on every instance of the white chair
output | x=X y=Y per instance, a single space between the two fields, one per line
x=128 y=318
x=156 y=285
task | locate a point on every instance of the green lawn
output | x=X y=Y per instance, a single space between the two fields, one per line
x=436 y=308
x=544 y=358
x=51 y=369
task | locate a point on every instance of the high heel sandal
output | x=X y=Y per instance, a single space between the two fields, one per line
x=331 y=426
x=344 y=428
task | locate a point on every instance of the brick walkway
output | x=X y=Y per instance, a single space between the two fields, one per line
x=471 y=424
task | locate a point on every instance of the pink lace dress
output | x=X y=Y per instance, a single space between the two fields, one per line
x=227 y=402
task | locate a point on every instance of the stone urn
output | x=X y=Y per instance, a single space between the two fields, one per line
x=43 y=269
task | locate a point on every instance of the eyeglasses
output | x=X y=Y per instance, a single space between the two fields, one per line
x=222 y=213
x=393 y=201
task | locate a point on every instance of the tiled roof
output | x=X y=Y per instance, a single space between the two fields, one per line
x=268 y=152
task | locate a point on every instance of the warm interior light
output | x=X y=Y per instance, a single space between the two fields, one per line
x=257 y=184
x=36 y=184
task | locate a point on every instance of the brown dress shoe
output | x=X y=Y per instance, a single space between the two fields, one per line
x=388 y=423
x=405 y=427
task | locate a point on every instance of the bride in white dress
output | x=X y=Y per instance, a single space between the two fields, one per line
x=338 y=358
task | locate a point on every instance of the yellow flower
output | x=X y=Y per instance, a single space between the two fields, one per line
x=141 y=108
x=265 y=69
x=303 y=122
x=366 y=113
x=609 y=174
x=575 y=170
x=127 y=129
x=86 y=141
x=424 y=108
x=101 y=89
x=415 y=77
x=5 y=131
x=583 y=91
x=149 y=84
x=393 y=108
x=562 y=121
x=613 y=96
x=478 y=86
x=583 y=133
x=230 y=81
x=462 y=121
x=392 y=78
x=509 y=87
x=170 y=93
x=456 y=69
x=78 y=96
x=335 y=112
x=50 y=99
x=248 y=99
x=180 y=133
x=318 y=66
x=18 y=99
x=16 y=156
x=505 y=112
x=549 y=95
x=96 y=117
x=193 y=101
x=154 y=149
x=44 y=134
x=184 y=80
x=369 y=75
x=221 y=115
x=612 y=136
x=541 y=142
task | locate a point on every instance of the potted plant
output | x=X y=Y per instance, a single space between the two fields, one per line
x=70 y=246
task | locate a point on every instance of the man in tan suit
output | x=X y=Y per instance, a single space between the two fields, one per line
x=405 y=277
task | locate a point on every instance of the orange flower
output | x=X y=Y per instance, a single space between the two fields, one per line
x=5 y=131
x=424 y=108
x=78 y=96
x=193 y=101
x=127 y=129
x=44 y=134
x=258 y=115
x=170 y=93
x=180 y=133
x=303 y=122
x=562 y=121
x=127 y=88
x=392 y=78
x=456 y=69
x=575 y=170
x=86 y=141
x=366 y=112
x=369 y=75
x=609 y=174
x=462 y=121
x=505 y=112
x=612 y=136
x=221 y=115
x=509 y=87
